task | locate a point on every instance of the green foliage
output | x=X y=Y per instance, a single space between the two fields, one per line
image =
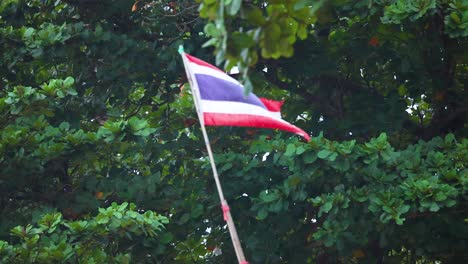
x=401 y=10
x=275 y=27
x=107 y=237
x=454 y=18
x=354 y=194
x=93 y=111
x=456 y=21
x=84 y=118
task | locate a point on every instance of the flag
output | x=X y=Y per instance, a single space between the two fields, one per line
x=222 y=101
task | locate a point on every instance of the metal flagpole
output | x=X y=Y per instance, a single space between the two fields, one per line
x=224 y=205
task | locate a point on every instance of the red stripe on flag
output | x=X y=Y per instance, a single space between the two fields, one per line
x=244 y=120
x=201 y=62
x=271 y=105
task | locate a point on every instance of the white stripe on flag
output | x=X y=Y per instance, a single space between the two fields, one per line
x=199 y=69
x=228 y=107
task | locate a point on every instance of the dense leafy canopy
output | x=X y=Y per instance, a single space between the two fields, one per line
x=103 y=239
x=93 y=116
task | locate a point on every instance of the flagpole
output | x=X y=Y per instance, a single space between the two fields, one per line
x=224 y=205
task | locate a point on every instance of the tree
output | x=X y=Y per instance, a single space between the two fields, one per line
x=109 y=237
x=85 y=115
x=362 y=68
x=92 y=113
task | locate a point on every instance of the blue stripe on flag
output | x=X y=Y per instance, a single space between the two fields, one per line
x=215 y=89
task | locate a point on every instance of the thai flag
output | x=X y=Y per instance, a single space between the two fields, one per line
x=222 y=101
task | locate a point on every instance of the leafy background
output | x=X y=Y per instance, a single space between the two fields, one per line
x=102 y=158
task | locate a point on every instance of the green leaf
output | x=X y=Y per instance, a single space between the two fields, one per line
x=69 y=81
x=276 y=207
x=64 y=126
x=166 y=238
x=300 y=150
x=137 y=123
x=290 y=150
x=434 y=207
x=145 y=132
x=262 y=214
x=310 y=157
x=226 y=167
x=449 y=138
x=317 y=200
x=326 y=207
x=403 y=209
x=197 y=211
x=28 y=32
x=333 y=156
x=324 y=153
x=455 y=17
x=211 y=30
x=234 y=7
x=211 y=42
x=301 y=4
x=269 y=196
x=242 y=40
x=71 y=91
x=254 y=15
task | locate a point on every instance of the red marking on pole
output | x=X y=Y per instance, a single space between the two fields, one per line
x=226 y=209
